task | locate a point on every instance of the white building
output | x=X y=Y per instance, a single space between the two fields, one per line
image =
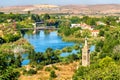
x=82 y=26
x=100 y=23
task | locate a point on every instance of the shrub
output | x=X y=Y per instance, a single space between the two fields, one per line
x=32 y=71
x=39 y=67
x=56 y=68
x=24 y=71
x=32 y=66
x=2 y=41
x=64 y=49
x=69 y=49
x=52 y=74
x=48 y=69
x=77 y=46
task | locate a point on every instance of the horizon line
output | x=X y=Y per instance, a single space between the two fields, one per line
x=61 y=4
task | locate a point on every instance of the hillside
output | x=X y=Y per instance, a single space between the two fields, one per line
x=63 y=72
x=73 y=9
x=92 y=9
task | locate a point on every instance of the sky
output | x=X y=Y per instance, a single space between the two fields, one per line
x=56 y=2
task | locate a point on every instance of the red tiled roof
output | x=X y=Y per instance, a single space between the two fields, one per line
x=95 y=30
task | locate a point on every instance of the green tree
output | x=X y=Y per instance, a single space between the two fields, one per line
x=104 y=69
x=75 y=19
x=85 y=33
x=77 y=34
x=31 y=72
x=2 y=41
x=29 y=12
x=101 y=33
x=45 y=16
x=7 y=70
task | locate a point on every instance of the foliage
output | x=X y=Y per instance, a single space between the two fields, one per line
x=78 y=34
x=9 y=34
x=73 y=57
x=101 y=33
x=8 y=66
x=21 y=45
x=77 y=46
x=39 y=67
x=116 y=53
x=52 y=74
x=85 y=33
x=75 y=19
x=48 y=69
x=107 y=47
x=57 y=52
x=105 y=69
x=52 y=22
x=64 y=49
x=16 y=17
x=2 y=41
x=49 y=57
x=45 y=16
x=31 y=72
x=56 y=68
x=99 y=45
x=36 y=18
x=11 y=37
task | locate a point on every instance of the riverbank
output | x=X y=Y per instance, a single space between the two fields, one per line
x=72 y=39
x=17 y=47
x=91 y=40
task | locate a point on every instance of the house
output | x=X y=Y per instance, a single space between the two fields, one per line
x=94 y=33
x=100 y=23
x=85 y=26
x=75 y=25
x=82 y=26
x=118 y=21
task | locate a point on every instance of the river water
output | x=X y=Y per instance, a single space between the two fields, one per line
x=42 y=41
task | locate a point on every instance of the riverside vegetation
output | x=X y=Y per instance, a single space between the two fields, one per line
x=104 y=60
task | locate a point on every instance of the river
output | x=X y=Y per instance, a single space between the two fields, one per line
x=42 y=41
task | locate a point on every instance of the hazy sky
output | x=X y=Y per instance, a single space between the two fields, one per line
x=58 y=2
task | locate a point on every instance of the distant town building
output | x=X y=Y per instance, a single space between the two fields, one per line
x=85 y=54
x=75 y=25
x=94 y=33
x=82 y=26
x=118 y=21
x=100 y=23
x=9 y=20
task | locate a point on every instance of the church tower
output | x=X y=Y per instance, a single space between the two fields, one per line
x=85 y=54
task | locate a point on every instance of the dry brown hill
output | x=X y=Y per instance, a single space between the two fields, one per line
x=73 y=9
x=92 y=9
